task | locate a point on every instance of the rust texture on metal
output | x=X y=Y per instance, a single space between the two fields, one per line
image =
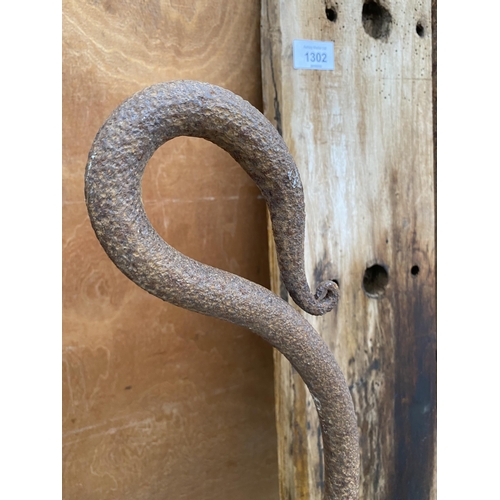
x=116 y=162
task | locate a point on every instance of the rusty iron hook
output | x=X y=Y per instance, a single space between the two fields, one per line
x=116 y=162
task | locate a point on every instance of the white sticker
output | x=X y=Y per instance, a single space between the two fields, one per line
x=312 y=54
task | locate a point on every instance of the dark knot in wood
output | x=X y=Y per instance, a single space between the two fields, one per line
x=116 y=162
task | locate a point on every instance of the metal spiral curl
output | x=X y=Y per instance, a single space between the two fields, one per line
x=116 y=163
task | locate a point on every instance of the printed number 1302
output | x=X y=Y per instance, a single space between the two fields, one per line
x=315 y=56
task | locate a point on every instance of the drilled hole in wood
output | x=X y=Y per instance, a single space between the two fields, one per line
x=420 y=30
x=375 y=280
x=377 y=20
x=415 y=270
x=331 y=14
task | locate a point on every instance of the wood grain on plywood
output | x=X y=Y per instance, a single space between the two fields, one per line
x=362 y=137
x=159 y=402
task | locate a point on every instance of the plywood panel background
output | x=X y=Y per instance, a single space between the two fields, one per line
x=159 y=402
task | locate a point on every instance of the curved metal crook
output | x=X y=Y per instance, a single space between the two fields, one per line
x=117 y=159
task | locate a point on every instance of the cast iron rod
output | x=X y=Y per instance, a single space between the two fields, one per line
x=116 y=162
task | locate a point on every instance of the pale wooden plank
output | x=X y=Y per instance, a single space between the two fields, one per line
x=362 y=137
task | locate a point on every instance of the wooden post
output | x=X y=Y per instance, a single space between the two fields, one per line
x=362 y=137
